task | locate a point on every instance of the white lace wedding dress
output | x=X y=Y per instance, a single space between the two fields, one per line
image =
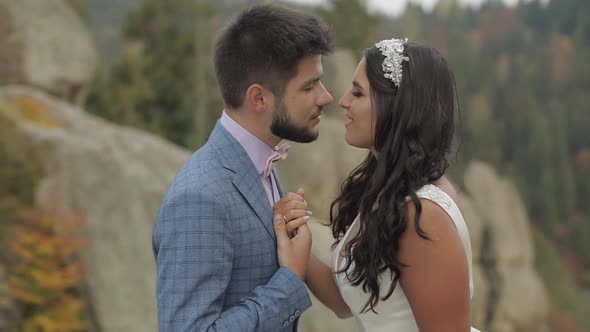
x=395 y=313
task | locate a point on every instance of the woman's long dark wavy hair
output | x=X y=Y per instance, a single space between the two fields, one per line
x=413 y=137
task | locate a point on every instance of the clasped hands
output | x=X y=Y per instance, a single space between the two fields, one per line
x=291 y=215
x=294 y=211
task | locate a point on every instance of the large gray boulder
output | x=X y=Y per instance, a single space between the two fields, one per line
x=43 y=43
x=507 y=255
x=115 y=178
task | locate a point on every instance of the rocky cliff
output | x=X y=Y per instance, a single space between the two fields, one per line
x=115 y=178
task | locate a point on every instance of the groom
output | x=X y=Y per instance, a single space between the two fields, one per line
x=218 y=268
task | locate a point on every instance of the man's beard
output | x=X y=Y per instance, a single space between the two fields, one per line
x=282 y=126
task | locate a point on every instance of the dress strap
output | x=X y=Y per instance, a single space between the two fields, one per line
x=435 y=194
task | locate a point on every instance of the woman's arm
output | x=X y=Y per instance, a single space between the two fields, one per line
x=436 y=280
x=320 y=281
x=319 y=278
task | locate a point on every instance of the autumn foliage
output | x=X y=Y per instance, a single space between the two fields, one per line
x=47 y=274
x=33 y=110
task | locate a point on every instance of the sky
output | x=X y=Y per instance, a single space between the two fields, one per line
x=396 y=7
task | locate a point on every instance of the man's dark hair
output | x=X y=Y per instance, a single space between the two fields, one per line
x=264 y=45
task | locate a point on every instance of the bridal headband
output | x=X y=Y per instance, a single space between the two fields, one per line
x=393 y=51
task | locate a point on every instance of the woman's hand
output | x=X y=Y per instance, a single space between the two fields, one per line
x=293 y=252
x=294 y=210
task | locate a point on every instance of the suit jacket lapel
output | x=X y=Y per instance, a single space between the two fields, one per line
x=246 y=180
x=249 y=184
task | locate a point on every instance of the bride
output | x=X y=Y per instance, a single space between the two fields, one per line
x=402 y=257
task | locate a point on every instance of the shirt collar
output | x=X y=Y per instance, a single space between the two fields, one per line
x=256 y=149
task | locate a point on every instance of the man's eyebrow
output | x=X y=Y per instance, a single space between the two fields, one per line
x=312 y=80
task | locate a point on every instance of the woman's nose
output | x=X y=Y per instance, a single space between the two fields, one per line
x=343 y=102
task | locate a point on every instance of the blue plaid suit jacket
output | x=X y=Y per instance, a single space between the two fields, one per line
x=215 y=248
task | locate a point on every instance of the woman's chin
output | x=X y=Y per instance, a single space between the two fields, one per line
x=347 y=140
x=352 y=142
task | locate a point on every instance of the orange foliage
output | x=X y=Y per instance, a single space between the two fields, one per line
x=47 y=273
x=59 y=317
x=33 y=110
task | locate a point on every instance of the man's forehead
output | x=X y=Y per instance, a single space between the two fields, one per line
x=310 y=68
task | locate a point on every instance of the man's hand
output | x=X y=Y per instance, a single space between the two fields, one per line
x=293 y=207
x=293 y=253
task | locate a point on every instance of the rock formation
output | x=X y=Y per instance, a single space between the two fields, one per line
x=43 y=43
x=115 y=178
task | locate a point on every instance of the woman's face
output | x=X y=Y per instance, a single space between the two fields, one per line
x=360 y=127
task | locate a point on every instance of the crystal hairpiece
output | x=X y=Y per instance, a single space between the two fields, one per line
x=393 y=50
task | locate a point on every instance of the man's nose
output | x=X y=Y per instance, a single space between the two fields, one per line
x=326 y=98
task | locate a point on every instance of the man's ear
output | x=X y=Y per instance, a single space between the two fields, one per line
x=258 y=97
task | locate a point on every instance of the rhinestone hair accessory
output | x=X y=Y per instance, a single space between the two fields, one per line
x=393 y=50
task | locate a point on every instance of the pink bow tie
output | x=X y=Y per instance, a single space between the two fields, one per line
x=279 y=153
